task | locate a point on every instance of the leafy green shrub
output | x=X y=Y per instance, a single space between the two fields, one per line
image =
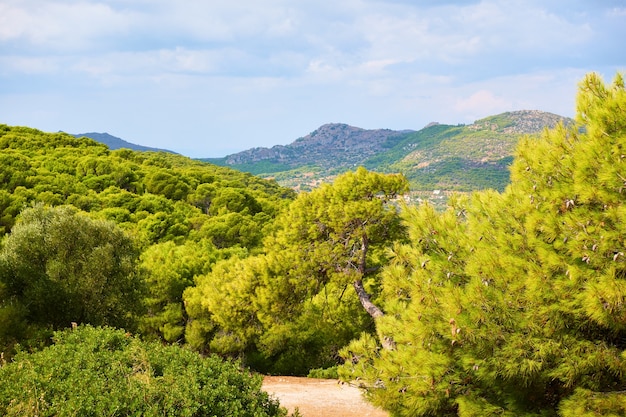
x=63 y=266
x=324 y=373
x=106 y=372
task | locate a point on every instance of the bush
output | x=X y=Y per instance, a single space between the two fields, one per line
x=102 y=371
x=324 y=373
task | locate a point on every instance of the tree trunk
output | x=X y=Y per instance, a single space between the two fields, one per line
x=371 y=308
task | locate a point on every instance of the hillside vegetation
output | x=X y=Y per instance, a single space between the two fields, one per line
x=113 y=238
x=158 y=196
x=446 y=157
x=508 y=303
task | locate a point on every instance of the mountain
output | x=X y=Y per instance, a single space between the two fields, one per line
x=437 y=157
x=464 y=157
x=327 y=146
x=116 y=143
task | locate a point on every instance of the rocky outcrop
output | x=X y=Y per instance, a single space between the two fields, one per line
x=519 y=122
x=324 y=146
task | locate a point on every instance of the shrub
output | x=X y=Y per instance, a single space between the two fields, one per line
x=106 y=372
x=324 y=373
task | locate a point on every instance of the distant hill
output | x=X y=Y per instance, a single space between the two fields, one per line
x=116 y=143
x=327 y=146
x=443 y=157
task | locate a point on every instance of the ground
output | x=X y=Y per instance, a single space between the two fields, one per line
x=320 y=397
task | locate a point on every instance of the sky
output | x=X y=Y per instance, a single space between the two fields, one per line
x=208 y=78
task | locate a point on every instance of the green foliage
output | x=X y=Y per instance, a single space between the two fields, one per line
x=167 y=185
x=105 y=372
x=290 y=308
x=168 y=270
x=234 y=229
x=339 y=227
x=57 y=266
x=513 y=304
x=64 y=267
x=228 y=200
x=325 y=373
x=128 y=187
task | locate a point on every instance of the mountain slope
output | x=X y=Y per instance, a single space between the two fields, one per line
x=116 y=143
x=448 y=157
x=161 y=196
x=328 y=147
x=467 y=157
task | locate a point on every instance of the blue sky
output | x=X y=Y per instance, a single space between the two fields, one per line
x=208 y=78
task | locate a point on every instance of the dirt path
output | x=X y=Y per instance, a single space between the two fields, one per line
x=320 y=397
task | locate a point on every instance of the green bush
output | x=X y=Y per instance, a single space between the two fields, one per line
x=106 y=372
x=324 y=373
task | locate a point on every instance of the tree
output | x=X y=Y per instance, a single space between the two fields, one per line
x=514 y=304
x=203 y=196
x=233 y=229
x=169 y=269
x=60 y=266
x=341 y=230
x=170 y=186
x=289 y=308
x=233 y=200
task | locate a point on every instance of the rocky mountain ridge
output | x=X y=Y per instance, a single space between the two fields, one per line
x=323 y=146
x=438 y=156
x=520 y=122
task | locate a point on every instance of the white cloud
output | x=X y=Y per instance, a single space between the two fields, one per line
x=28 y=65
x=60 y=25
x=617 y=12
x=283 y=66
x=482 y=101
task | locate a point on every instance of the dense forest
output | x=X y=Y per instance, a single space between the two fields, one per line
x=163 y=280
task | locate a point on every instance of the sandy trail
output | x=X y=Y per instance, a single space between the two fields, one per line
x=320 y=397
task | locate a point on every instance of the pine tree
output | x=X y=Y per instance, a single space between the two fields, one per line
x=313 y=289
x=515 y=303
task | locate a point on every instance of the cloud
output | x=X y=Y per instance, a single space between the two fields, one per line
x=273 y=70
x=482 y=102
x=276 y=36
x=29 y=65
x=617 y=12
x=60 y=26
